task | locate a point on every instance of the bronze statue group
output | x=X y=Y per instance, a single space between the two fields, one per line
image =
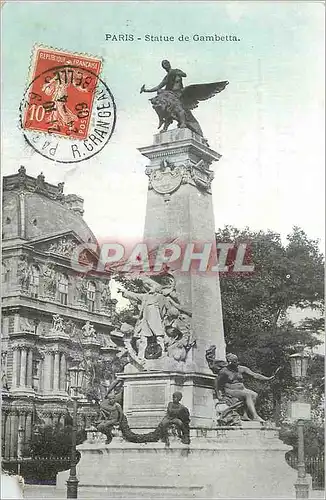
x=177 y=416
x=228 y=388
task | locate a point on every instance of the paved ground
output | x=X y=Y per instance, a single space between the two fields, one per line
x=41 y=492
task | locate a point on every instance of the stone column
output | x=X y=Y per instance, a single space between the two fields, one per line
x=14 y=382
x=47 y=365
x=23 y=366
x=40 y=378
x=63 y=370
x=7 y=436
x=13 y=434
x=56 y=371
x=29 y=368
x=3 y=432
x=28 y=427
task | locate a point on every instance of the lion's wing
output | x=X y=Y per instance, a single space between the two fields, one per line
x=192 y=94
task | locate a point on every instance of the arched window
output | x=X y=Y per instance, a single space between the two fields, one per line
x=35 y=281
x=91 y=289
x=63 y=289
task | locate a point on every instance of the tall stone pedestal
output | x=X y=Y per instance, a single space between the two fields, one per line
x=180 y=210
x=225 y=463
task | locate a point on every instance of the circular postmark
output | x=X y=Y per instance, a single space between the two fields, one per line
x=67 y=114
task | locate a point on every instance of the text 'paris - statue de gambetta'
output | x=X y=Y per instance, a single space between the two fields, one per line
x=174 y=102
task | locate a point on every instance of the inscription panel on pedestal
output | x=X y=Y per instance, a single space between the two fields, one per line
x=203 y=402
x=148 y=396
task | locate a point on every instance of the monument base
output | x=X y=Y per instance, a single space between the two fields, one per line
x=147 y=394
x=225 y=463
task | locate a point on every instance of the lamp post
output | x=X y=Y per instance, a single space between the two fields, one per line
x=300 y=412
x=76 y=375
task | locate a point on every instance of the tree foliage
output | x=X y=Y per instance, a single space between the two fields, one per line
x=54 y=441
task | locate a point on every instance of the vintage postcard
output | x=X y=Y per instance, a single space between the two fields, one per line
x=162 y=249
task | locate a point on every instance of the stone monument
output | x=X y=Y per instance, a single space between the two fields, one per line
x=179 y=318
x=180 y=210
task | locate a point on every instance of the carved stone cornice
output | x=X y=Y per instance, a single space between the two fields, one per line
x=21 y=408
x=179 y=144
x=24 y=345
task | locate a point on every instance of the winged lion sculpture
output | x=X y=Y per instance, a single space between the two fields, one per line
x=174 y=102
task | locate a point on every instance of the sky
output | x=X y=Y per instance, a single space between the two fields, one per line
x=268 y=124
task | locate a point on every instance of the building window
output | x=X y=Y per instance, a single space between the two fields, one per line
x=35 y=282
x=63 y=289
x=91 y=296
x=36 y=374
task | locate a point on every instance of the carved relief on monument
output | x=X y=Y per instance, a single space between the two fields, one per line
x=165 y=179
x=202 y=176
x=168 y=178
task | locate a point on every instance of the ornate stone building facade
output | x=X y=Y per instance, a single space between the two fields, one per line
x=50 y=312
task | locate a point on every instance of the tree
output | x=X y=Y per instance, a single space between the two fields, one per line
x=54 y=441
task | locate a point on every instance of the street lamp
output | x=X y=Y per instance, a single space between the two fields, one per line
x=76 y=375
x=300 y=412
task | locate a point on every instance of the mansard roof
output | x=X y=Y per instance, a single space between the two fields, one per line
x=33 y=208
